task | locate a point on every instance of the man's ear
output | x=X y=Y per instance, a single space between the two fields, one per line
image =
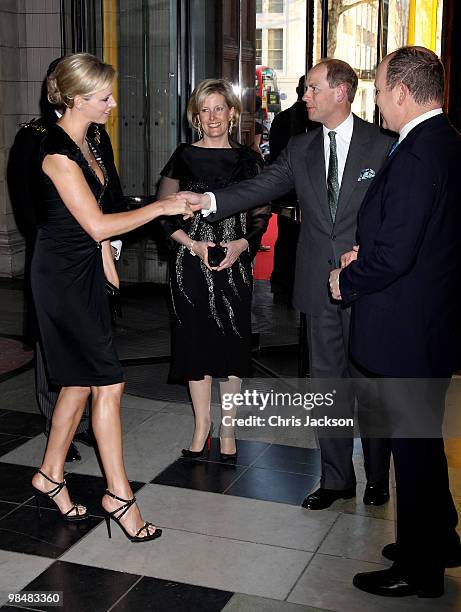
x=403 y=93
x=341 y=92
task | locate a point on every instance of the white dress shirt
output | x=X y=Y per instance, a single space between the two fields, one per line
x=416 y=121
x=343 y=141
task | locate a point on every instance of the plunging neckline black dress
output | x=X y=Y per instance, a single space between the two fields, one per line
x=67 y=279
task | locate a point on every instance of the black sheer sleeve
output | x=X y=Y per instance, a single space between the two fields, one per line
x=257 y=222
x=169 y=184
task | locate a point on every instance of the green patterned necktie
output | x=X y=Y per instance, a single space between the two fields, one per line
x=332 y=180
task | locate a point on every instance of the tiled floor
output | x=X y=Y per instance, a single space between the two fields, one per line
x=235 y=537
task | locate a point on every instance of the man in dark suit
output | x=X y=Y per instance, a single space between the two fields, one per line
x=288 y=123
x=331 y=169
x=24 y=186
x=405 y=290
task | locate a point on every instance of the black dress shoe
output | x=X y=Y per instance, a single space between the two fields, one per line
x=86 y=437
x=377 y=494
x=452 y=558
x=323 y=498
x=391 y=583
x=73 y=454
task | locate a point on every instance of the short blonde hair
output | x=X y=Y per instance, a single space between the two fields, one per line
x=206 y=88
x=78 y=74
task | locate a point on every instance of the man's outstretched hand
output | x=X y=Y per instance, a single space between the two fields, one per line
x=196 y=201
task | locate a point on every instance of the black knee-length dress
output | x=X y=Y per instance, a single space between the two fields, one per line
x=211 y=332
x=67 y=280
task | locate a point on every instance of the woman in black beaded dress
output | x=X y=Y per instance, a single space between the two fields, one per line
x=212 y=301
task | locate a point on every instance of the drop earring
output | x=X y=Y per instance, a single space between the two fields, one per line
x=231 y=127
x=199 y=130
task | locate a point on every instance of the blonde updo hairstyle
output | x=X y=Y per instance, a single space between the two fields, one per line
x=206 y=88
x=78 y=74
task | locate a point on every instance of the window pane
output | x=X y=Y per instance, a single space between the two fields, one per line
x=259 y=6
x=275 y=6
x=353 y=37
x=418 y=23
x=275 y=48
x=283 y=52
x=396 y=32
x=259 y=47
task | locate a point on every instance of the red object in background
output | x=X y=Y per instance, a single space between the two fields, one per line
x=264 y=260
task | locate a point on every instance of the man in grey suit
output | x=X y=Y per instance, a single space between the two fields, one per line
x=331 y=169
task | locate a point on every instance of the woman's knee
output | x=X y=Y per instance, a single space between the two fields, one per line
x=108 y=391
x=80 y=393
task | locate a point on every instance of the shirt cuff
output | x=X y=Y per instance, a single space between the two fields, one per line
x=117 y=246
x=213 y=208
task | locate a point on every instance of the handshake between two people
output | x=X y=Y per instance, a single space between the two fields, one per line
x=346 y=259
x=186 y=203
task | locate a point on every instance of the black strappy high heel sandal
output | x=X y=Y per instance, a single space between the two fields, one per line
x=66 y=516
x=127 y=503
x=186 y=452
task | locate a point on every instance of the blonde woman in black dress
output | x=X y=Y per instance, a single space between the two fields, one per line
x=212 y=302
x=72 y=258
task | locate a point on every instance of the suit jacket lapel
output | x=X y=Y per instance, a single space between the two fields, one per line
x=355 y=162
x=317 y=173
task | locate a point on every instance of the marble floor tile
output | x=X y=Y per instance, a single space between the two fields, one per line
x=237 y=518
x=250 y=603
x=12 y=580
x=219 y=563
x=290 y=459
x=31 y=452
x=142 y=403
x=18 y=393
x=84 y=589
x=201 y=475
x=7 y=508
x=270 y=485
x=248 y=452
x=327 y=583
x=9 y=442
x=154 y=595
x=15 y=482
x=355 y=505
x=359 y=537
x=24 y=532
x=22 y=424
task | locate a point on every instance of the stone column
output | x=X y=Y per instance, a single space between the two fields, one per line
x=30 y=38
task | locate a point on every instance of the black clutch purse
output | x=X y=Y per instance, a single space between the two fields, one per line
x=115 y=303
x=215 y=255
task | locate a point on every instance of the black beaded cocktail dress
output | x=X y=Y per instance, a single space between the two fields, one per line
x=212 y=310
x=67 y=280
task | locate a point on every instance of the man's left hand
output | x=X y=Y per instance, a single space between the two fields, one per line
x=334 y=284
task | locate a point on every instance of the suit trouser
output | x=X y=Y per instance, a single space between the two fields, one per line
x=47 y=395
x=426 y=514
x=283 y=274
x=328 y=340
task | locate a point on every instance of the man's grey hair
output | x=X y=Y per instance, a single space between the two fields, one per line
x=420 y=70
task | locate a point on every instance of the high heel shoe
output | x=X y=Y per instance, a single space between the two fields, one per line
x=51 y=494
x=127 y=503
x=201 y=453
x=227 y=456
